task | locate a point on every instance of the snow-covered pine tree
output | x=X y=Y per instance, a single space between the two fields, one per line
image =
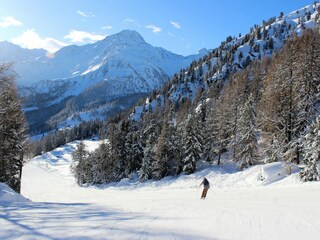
x=12 y=131
x=193 y=146
x=294 y=150
x=134 y=151
x=162 y=156
x=200 y=128
x=79 y=166
x=59 y=139
x=119 y=149
x=248 y=138
x=175 y=153
x=311 y=170
x=47 y=143
x=273 y=151
x=148 y=158
x=203 y=110
x=102 y=165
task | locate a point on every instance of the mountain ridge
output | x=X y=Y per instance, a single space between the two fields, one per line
x=233 y=55
x=76 y=60
x=121 y=65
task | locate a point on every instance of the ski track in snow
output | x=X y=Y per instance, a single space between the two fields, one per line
x=238 y=206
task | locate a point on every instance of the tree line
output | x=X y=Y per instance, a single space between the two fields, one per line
x=56 y=138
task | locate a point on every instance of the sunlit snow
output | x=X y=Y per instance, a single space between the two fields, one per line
x=262 y=202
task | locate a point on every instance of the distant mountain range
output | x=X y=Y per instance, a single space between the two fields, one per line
x=91 y=81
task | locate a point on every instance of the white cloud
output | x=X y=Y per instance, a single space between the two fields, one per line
x=131 y=21
x=154 y=28
x=81 y=36
x=9 y=21
x=108 y=27
x=175 y=24
x=84 y=14
x=30 y=39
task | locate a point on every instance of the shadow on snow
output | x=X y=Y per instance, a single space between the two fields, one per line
x=79 y=221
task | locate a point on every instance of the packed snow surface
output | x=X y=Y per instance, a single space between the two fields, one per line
x=262 y=202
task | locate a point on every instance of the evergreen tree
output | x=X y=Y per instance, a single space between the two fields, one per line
x=160 y=166
x=248 y=139
x=311 y=170
x=47 y=143
x=59 y=139
x=293 y=151
x=119 y=149
x=273 y=151
x=134 y=152
x=175 y=153
x=193 y=146
x=102 y=165
x=12 y=131
x=147 y=161
x=203 y=110
x=79 y=165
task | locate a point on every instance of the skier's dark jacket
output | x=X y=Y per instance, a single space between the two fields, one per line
x=205 y=183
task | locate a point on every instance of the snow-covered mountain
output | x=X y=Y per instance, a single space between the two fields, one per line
x=96 y=74
x=105 y=59
x=233 y=55
x=10 y=52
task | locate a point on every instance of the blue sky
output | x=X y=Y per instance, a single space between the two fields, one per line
x=180 y=26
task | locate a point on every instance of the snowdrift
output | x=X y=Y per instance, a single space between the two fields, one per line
x=8 y=195
x=273 y=172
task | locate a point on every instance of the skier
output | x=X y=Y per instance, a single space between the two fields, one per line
x=206 y=187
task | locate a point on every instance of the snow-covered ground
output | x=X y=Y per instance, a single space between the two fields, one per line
x=261 y=202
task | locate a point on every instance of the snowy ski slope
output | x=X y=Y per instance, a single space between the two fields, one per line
x=261 y=202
